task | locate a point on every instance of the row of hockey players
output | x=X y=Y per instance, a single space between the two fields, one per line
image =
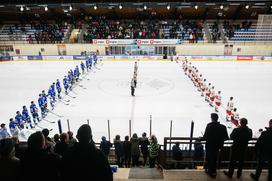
x=208 y=91
x=24 y=120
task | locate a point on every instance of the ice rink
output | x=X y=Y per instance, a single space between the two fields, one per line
x=163 y=91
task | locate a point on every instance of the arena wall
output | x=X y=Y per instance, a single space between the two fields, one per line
x=184 y=49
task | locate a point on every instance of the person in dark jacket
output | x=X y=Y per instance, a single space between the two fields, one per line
x=37 y=160
x=105 y=146
x=240 y=137
x=127 y=152
x=264 y=151
x=62 y=146
x=135 y=150
x=119 y=150
x=215 y=135
x=84 y=161
x=144 y=147
x=9 y=164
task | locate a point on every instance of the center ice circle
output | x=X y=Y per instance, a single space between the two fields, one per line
x=146 y=86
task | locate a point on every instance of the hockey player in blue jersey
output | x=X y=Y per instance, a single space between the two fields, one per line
x=52 y=94
x=13 y=127
x=76 y=73
x=95 y=59
x=65 y=84
x=70 y=79
x=34 y=112
x=90 y=62
x=19 y=120
x=26 y=117
x=58 y=88
x=42 y=105
x=44 y=96
x=87 y=64
x=82 y=65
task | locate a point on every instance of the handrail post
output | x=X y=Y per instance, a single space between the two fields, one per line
x=191 y=135
x=109 y=130
x=68 y=124
x=171 y=128
x=129 y=128
x=150 y=126
x=60 y=127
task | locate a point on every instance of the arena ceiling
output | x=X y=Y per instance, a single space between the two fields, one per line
x=193 y=9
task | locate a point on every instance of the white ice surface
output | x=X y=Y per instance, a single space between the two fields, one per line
x=163 y=91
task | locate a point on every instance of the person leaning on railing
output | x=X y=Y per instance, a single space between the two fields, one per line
x=264 y=153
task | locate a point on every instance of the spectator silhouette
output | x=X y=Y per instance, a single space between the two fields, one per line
x=199 y=151
x=135 y=151
x=264 y=150
x=105 y=146
x=62 y=146
x=72 y=140
x=9 y=164
x=49 y=144
x=36 y=161
x=154 y=149
x=215 y=135
x=84 y=161
x=119 y=150
x=176 y=154
x=144 y=147
x=127 y=152
x=240 y=137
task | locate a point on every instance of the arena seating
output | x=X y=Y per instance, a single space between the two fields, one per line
x=249 y=31
x=36 y=32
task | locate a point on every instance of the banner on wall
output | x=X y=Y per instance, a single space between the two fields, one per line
x=240 y=57
x=136 y=42
x=34 y=57
x=5 y=58
x=20 y=57
x=79 y=57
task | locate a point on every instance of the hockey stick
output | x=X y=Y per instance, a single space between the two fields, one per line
x=71 y=96
x=82 y=86
x=48 y=121
x=60 y=116
x=63 y=102
x=44 y=128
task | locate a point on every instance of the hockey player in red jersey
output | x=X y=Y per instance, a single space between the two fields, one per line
x=217 y=100
x=229 y=108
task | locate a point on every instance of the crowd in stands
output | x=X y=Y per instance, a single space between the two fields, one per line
x=231 y=28
x=69 y=158
x=38 y=30
x=102 y=28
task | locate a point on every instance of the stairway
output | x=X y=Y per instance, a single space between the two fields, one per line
x=222 y=33
x=207 y=32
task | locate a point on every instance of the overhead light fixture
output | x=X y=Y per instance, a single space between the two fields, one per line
x=95 y=7
x=70 y=8
x=221 y=6
x=46 y=8
x=120 y=6
x=247 y=6
x=145 y=7
x=168 y=7
x=21 y=8
x=196 y=6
